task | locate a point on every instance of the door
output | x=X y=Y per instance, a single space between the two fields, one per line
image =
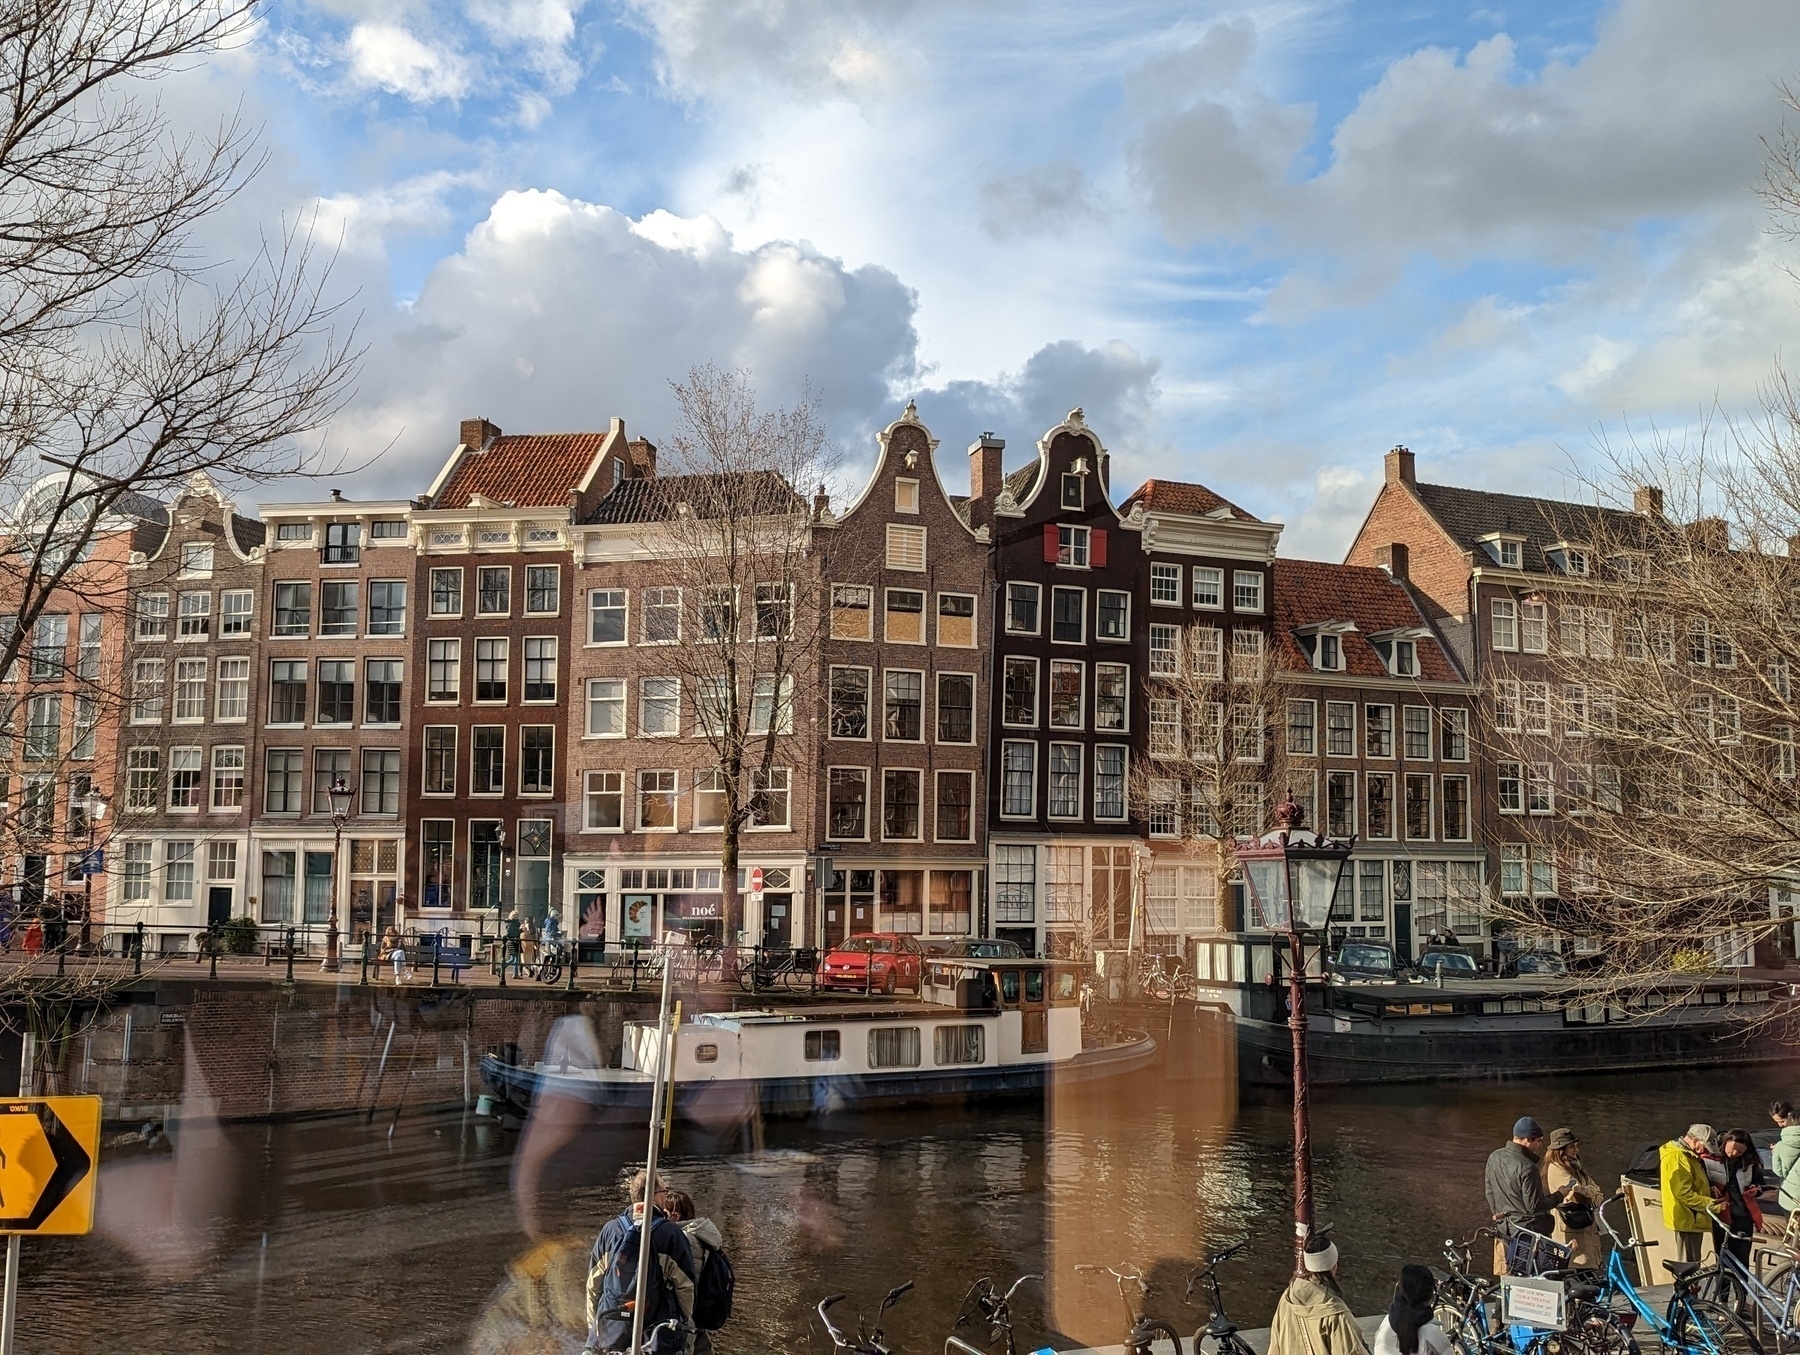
x=778 y=919
x=1034 y=1035
x=218 y=905
x=1403 y=948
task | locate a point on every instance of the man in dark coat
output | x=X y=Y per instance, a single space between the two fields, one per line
x=1515 y=1185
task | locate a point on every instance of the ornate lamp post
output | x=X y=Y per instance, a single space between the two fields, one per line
x=1293 y=874
x=339 y=795
x=97 y=801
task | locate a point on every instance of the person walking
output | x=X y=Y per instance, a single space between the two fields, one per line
x=512 y=953
x=1736 y=1176
x=1784 y=1157
x=1580 y=1195
x=1687 y=1199
x=1410 y=1327
x=612 y=1274
x=1311 y=1317
x=1514 y=1182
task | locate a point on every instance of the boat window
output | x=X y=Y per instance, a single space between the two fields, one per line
x=1009 y=987
x=959 y=1044
x=822 y=1046
x=1065 y=989
x=894 y=1047
x=1034 y=985
x=706 y=1053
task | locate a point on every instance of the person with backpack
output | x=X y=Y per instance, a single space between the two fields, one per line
x=715 y=1281
x=613 y=1275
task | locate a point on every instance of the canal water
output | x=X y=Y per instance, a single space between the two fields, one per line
x=435 y=1231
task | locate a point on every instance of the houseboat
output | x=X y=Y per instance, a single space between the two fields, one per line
x=979 y=1029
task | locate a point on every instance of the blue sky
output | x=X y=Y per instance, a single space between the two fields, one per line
x=1260 y=243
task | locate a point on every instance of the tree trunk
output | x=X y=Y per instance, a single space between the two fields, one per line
x=731 y=909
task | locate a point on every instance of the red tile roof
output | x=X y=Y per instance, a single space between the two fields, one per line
x=1308 y=592
x=1178 y=496
x=532 y=470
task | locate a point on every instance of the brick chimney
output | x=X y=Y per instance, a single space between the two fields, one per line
x=1709 y=534
x=985 y=476
x=1647 y=500
x=1395 y=559
x=641 y=462
x=478 y=433
x=1399 y=466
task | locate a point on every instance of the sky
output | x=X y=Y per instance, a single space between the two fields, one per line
x=1258 y=243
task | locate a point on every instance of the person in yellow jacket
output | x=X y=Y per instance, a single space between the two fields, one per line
x=1687 y=1198
x=1312 y=1317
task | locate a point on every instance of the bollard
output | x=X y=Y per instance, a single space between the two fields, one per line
x=62 y=953
x=635 y=952
x=574 y=960
x=290 y=954
x=212 y=948
x=363 y=978
x=436 y=952
x=137 y=959
x=505 y=948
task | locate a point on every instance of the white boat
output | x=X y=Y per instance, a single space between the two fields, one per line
x=979 y=1029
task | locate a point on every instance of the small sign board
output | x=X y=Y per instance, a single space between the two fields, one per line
x=1528 y=1302
x=756 y=879
x=49 y=1153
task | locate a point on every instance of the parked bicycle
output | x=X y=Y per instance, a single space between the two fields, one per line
x=1219 y=1329
x=1163 y=977
x=1147 y=1335
x=865 y=1342
x=985 y=1302
x=1688 y=1325
x=1466 y=1308
x=776 y=967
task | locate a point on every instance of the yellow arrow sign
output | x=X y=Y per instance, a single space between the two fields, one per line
x=49 y=1149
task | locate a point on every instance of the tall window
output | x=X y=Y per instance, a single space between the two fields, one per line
x=659 y=706
x=1109 y=782
x=900 y=805
x=143 y=778
x=956 y=708
x=438 y=862
x=955 y=798
x=196 y=617
x=387 y=607
x=662 y=615
x=847 y=804
x=443 y=670
x=1068 y=615
x=1418 y=807
x=493 y=590
x=343 y=543
x=284 y=780
x=540 y=668
x=848 y=695
x=1510 y=787
x=543 y=590
x=709 y=800
x=381 y=702
x=1111 y=681
x=446 y=592
x=1068 y=698
x=491 y=663
x=656 y=800
x=1416 y=742
x=337 y=691
x=774 y=610
x=147 y=691
x=1505 y=614
x=227 y=779
x=604 y=800
x=1454 y=735
x=769 y=710
x=234 y=690
x=606 y=707
x=293 y=609
x=1065 y=781
x=1019 y=703
x=487 y=766
x=190 y=691
x=606 y=616
x=1164 y=641
x=440 y=759
x=380 y=782
x=87 y=652
x=1165 y=585
x=905 y=698
x=178 y=872
x=1022 y=608
x=537 y=759
x=236 y=607
x=485 y=886
x=339 y=608
x=330 y=765
x=1302 y=721
x=1379 y=733
x=1381 y=804
x=43 y=728
x=185 y=774
x=1018 y=776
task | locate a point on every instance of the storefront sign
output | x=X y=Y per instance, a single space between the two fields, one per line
x=699 y=907
x=640 y=915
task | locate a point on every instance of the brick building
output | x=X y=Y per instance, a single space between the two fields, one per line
x=1063 y=704
x=181 y=856
x=336 y=616
x=904 y=686
x=490 y=703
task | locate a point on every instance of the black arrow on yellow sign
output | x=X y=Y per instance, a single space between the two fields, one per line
x=42 y=1163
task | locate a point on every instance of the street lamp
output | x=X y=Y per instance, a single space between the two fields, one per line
x=1293 y=874
x=97 y=800
x=339 y=794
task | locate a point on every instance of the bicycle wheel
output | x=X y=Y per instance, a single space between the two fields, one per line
x=1702 y=1327
x=1154 y=1338
x=549 y=971
x=1786 y=1337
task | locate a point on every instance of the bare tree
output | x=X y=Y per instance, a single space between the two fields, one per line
x=1213 y=754
x=126 y=361
x=735 y=536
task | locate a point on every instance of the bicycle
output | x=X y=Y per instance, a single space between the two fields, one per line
x=1148 y=1336
x=1775 y=1302
x=864 y=1342
x=1219 y=1329
x=995 y=1309
x=772 y=966
x=1465 y=1309
x=1156 y=979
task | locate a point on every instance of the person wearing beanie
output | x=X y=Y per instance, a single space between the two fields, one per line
x=1312 y=1317
x=1516 y=1194
x=1687 y=1198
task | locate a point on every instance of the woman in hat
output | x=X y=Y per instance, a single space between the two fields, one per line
x=1312 y=1317
x=1578 y=1195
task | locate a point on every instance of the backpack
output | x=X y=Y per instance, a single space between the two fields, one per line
x=618 y=1284
x=714 y=1287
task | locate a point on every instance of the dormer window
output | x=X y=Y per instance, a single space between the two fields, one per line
x=1506 y=551
x=1569 y=559
x=1330 y=655
x=906 y=496
x=1399 y=650
x=1071 y=491
x=1324 y=641
x=1406 y=658
x=1510 y=554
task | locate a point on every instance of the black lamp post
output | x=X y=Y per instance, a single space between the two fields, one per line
x=339 y=794
x=97 y=801
x=1293 y=874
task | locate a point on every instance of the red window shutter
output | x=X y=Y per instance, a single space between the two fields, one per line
x=1050 y=546
x=1097 y=548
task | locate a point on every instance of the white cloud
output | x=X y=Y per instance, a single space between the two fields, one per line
x=541 y=29
x=387 y=56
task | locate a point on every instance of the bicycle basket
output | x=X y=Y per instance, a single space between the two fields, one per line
x=1529 y=1253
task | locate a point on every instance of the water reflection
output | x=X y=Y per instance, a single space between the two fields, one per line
x=452 y=1233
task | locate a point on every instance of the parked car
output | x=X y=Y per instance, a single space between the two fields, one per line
x=1539 y=964
x=1366 y=962
x=874 y=961
x=979 y=948
x=1448 y=962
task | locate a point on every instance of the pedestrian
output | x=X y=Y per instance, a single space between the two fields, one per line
x=1576 y=1228
x=612 y=1274
x=510 y=954
x=34 y=937
x=704 y=1237
x=1515 y=1186
x=1687 y=1200
x=1410 y=1327
x=1735 y=1173
x=1784 y=1157
x=1312 y=1317
x=398 y=955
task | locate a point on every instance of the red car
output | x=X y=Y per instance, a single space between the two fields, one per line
x=874 y=962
